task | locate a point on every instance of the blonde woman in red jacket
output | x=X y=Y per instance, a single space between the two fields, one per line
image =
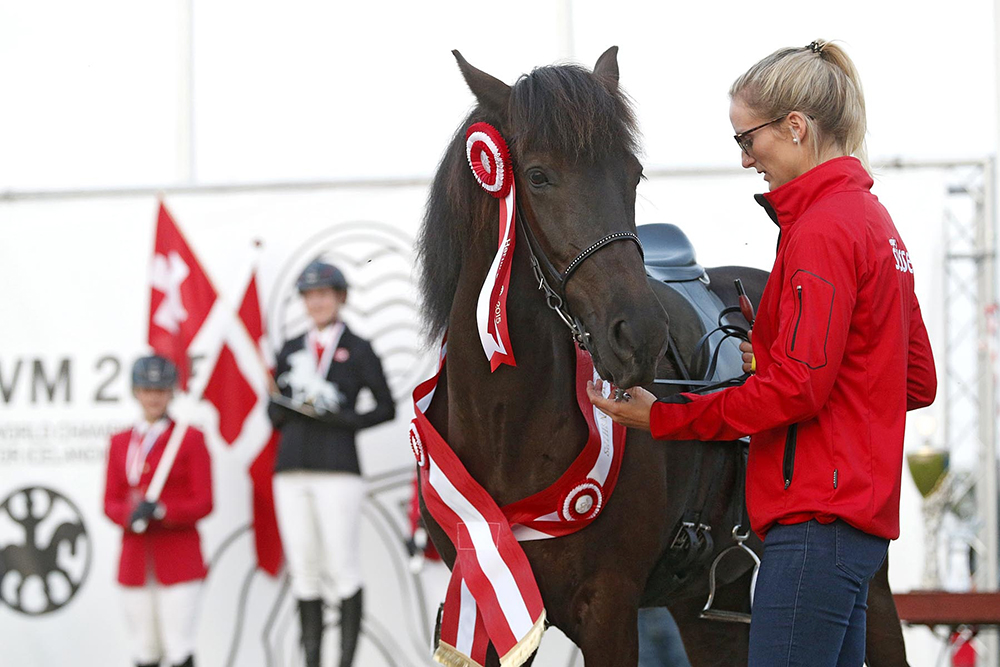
x=840 y=353
x=161 y=569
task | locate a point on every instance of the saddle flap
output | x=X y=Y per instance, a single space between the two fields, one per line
x=669 y=255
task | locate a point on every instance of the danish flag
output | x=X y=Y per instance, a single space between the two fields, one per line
x=238 y=380
x=238 y=390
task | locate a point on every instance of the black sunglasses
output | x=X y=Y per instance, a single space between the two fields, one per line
x=745 y=141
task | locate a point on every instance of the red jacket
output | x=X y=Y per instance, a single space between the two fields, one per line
x=842 y=354
x=172 y=544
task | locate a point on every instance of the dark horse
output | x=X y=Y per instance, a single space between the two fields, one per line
x=573 y=142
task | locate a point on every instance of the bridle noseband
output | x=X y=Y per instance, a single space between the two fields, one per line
x=556 y=298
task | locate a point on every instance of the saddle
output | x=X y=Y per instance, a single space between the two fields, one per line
x=669 y=255
x=670 y=258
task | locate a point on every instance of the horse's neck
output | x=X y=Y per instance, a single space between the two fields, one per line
x=519 y=428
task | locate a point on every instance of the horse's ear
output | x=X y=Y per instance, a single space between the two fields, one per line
x=607 y=65
x=491 y=92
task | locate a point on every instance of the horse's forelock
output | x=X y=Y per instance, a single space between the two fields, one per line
x=567 y=110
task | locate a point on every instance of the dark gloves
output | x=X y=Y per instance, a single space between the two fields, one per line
x=145 y=511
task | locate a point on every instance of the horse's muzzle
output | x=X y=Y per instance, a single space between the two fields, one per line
x=635 y=345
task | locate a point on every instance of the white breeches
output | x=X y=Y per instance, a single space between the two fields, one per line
x=161 y=620
x=319 y=517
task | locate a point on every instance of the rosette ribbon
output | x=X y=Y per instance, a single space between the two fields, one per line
x=490 y=161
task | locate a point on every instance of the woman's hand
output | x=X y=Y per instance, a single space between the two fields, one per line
x=632 y=413
x=749 y=363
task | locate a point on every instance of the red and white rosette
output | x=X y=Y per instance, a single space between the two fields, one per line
x=489 y=158
x=583 y=502
x=490 y=161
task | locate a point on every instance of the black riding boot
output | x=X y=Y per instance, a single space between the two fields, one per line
x=187 y=663
x=311 y=622
x=350 y=627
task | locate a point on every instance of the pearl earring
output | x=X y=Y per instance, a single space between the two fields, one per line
x=795 y=139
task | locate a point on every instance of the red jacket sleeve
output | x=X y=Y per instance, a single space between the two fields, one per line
x=196 y=502
x=816 y=303
x=921 y=378
x=117 y=503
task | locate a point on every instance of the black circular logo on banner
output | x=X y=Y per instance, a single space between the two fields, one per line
x=44 y=550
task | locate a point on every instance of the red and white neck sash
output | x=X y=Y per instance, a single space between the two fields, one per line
x=492 y=596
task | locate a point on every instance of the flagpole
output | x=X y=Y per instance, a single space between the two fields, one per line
x=166 y=463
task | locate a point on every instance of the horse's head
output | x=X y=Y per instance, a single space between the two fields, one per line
x=573 y=140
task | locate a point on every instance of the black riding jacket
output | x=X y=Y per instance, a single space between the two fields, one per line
x=326 y=442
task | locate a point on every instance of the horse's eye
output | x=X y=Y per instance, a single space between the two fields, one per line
x=537 y=177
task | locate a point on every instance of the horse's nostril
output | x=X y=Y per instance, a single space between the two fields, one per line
x=622 y=337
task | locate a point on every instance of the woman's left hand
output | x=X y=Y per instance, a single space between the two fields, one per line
x=632 y=413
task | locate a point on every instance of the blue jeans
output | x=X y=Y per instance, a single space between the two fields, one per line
x=660 y=643
x=812 y=594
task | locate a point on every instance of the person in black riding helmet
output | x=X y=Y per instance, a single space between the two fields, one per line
x=161 y=569
x=318 y=489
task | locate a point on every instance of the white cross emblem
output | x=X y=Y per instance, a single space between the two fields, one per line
x=168 y=274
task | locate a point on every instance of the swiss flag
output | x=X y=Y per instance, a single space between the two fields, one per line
x=181 y=295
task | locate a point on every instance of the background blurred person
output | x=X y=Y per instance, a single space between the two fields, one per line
x=318 y=488
x=161 y=569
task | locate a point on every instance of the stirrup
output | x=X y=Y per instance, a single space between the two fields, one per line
x=726 y=615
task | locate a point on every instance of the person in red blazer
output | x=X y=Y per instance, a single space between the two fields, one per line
x=161 y=568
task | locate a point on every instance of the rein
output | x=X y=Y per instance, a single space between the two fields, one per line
x=556 y=298
x=706 y=385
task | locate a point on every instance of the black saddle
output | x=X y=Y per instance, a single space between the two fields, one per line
x=669 y=255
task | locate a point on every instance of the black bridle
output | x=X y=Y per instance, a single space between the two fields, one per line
x=545 y=270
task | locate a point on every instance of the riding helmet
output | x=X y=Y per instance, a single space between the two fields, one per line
x=154 y=372
x=321 y=274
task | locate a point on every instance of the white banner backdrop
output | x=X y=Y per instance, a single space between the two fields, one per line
x=74 y=309
x=76 y=303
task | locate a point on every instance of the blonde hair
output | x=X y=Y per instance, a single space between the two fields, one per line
x=818 y=80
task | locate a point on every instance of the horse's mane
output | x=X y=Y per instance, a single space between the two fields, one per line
x=563 y=110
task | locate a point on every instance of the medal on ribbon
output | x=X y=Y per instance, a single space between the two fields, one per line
x=490 y=161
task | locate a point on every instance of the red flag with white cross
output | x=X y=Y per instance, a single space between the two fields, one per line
x=239 y=377
x=238 y=389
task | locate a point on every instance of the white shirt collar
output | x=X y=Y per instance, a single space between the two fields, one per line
x=328 y=335
x=142 y=427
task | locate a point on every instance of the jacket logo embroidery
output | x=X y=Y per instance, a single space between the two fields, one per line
x=903 y=262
